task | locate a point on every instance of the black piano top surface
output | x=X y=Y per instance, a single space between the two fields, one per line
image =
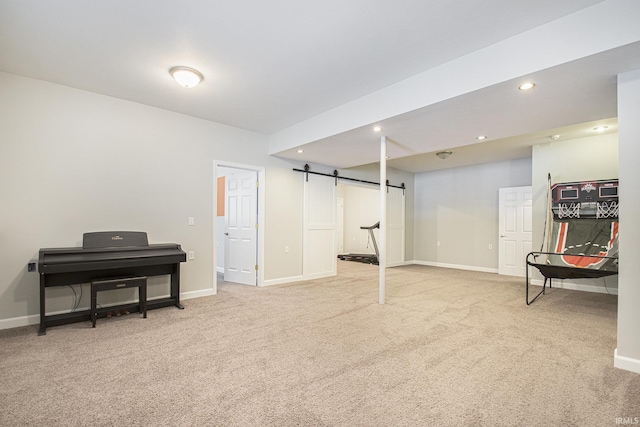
x=109 y=250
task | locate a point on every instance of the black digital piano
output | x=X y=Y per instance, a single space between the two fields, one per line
x=103 y=255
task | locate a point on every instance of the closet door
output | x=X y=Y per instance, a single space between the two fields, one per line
x=515 y=227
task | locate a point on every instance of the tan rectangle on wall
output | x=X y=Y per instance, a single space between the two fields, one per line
x=220 y=202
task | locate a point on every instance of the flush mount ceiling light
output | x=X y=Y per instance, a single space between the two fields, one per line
x=555 y=137
x=301 y=151
x=443 y=154
x=481 y=137
x=526 y=86
x=186 y=77
x=377 y=129
x=601 y=128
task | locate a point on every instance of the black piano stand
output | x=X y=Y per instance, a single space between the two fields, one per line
x=86 y=315
x=123 y=283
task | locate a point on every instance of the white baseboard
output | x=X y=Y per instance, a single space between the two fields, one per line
x=16 y=322
x=455 y=266
x=399 y=264
x=197 y=294
x=626 y=363
x=568 y=284
x=282 y=280
x=220 y=269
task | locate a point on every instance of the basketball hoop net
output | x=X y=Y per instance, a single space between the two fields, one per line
x=568 y=210
x=607 y=209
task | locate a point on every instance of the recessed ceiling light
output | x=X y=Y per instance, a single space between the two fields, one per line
x=186 y=77
x=300 y=151
x=481 y=137
x=377 y=129
x=526 y=86
x=601 y=128
x=443 y=154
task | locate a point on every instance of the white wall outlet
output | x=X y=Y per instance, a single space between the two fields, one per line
x=286 y=249
x=438 y=243
x=192 y=255
x=192 y=220
x=490 y=246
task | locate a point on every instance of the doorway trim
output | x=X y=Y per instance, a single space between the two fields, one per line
x=260 y=172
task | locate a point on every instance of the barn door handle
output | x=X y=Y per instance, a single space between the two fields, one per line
x=226 y=234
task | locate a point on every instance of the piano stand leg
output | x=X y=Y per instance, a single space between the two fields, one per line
x=42 y=330
x=180 y=306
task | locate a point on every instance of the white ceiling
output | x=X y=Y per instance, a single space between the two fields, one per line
x=269 y=65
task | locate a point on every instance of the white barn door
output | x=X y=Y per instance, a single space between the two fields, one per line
x=395 y=227
x=515 y=225
x=319 y=256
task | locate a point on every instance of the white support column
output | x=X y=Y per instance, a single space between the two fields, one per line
x=382 y=260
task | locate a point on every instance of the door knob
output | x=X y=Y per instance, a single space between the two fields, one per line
x=226 y=234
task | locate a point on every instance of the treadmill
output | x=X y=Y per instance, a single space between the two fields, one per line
x=365 y=258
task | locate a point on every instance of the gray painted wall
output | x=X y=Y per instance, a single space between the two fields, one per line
x=629 y=278
x=458 y=207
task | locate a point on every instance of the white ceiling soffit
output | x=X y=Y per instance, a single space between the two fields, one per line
x=581 y=91
x=266 y=65
x=515 y=147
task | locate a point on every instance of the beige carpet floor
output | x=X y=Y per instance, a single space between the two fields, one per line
x=450 y=348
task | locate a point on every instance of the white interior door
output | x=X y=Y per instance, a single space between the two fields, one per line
x=514 y=213
x=241 y=198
